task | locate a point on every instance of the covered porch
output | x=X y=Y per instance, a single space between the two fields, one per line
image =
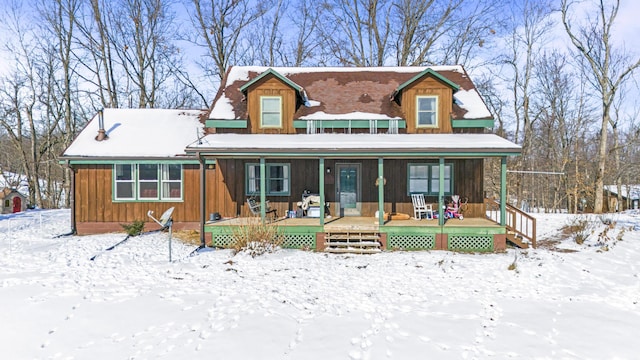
x=331 y=158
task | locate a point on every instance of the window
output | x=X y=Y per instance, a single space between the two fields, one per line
x=147 y=182
x=270 y=111
x=427 y=111
x=425 y=178
x=124 y=182
x=171 y=181
x=277 y=179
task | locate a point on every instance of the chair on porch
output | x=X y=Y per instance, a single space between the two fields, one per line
x=420 y=207
x=254 y=207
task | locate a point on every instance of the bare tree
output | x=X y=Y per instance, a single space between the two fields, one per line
x=609 y=69
x=220 y=26
x=359 y=31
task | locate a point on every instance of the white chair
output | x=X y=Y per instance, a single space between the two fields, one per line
x=420 y=207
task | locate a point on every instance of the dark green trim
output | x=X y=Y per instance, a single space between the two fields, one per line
x=270 y=71
x=226 y=124
x=365 y=154
x=266 y=178
x=503 y=191
x=381 y=185
x=430 y=176
x=138 y=161
x=346 y=123
x=435 y=74
x=136 y=186
x=469 y=123
x=474 y=230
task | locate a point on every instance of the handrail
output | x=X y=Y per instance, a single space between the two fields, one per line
x=517 y=221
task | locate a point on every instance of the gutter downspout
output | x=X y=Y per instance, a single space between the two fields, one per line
x=203 y=201
x=72 y=197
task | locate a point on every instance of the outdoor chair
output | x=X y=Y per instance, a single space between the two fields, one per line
x=254 y=207
x=420 y=207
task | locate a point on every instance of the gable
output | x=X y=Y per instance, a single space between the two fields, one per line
x=351 y=93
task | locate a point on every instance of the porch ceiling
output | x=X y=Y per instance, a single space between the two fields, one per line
x=354 y=145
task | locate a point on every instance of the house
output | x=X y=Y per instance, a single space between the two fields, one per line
x=127 y=162
x=360 y=140
x=12 y=201
x=630 y=197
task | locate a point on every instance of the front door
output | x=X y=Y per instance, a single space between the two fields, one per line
x=17 y=204
x=348 y=189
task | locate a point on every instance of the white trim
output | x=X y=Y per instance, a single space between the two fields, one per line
x=262 y=125
x=436 y=114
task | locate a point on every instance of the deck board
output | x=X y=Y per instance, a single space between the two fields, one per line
x=357 y=223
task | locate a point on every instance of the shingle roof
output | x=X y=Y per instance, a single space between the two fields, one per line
x=334 y=92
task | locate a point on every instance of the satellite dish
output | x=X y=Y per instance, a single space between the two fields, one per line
x=164 y=219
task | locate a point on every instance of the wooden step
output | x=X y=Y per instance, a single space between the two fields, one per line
x=361 y=244
x=517 y=241
x=353 y=250
x=350 y=236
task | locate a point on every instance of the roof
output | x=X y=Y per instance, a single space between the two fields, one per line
x=348 y=92
x=139 y=133
x=627 y=191
x=356 y=144
x=7 y=191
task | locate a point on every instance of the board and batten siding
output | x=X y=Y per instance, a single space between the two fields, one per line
x=94 y=200
x=428 y=86
x=226 y=186
x=271 y=86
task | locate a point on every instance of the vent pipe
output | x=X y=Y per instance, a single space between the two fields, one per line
x=102 y=134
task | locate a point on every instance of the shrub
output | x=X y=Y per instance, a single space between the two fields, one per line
x=256 y=238
x=133 y=229
x=579 y=228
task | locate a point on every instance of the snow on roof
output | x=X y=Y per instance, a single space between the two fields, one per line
x=139 y=133
x=356 y=115
x=632 y=191
x=266 y=143
x=242 y=72
x=471 y=101
x=338 y=92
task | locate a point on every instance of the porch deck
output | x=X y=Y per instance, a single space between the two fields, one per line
x=358 y=223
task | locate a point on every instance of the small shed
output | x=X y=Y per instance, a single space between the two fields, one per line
x=630 y=197
x=12 y=201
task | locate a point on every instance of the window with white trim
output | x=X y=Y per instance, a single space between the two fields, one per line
x=147 y=182
x=426 y=111
x=425 y=178
x=277 y=179
x=271 y=111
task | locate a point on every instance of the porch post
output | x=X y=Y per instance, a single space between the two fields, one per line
x=203 y=200
x=263 y=185
x=322 y=197
x=441 y=192
x=380 y=191
x=503 y=191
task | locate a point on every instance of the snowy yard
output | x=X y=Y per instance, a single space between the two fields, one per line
x=131 y=303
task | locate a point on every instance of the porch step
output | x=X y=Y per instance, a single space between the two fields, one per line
x=354 y=242
x=513 y=238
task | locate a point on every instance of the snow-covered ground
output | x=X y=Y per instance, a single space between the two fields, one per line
x=131 y=303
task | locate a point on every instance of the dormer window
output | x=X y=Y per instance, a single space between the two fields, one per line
x=427 y=111
x=271 y=111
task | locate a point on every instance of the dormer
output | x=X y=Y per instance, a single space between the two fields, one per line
x=272 y=100
x=427 y=100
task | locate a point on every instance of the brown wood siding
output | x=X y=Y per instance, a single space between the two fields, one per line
x=226 y=190
x=271 y=86
x=428 y=86
x=94 y=202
